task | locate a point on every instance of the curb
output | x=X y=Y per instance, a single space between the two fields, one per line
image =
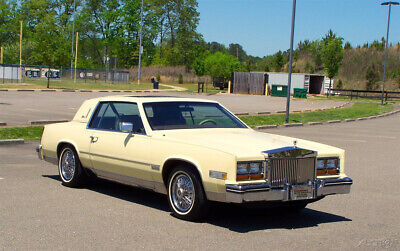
x=3 y=123
x=45 y=122
x=266 y=126
x=11 y=141
x=314 y=123
x=293 y=124
x=327 y=122
x=3 y=90
x=25 y=90
x=242 y=114
x=47 y=90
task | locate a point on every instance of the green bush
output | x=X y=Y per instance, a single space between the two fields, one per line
x=158 y=77
x=180 y=78
x=221 y=65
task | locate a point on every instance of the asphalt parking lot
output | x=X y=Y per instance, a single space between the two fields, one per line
x=37 y=212
x=18 y=108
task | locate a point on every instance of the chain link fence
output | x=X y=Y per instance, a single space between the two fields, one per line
x=39 y=74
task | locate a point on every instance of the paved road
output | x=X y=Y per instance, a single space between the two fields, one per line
x=18 y=108
x=37 y=212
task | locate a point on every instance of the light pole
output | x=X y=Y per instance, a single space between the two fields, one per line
x=73 y=35
x=140 y=41
x=290 y=63
x=386 y=45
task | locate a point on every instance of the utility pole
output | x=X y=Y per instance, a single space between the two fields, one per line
x=140 y=42
x=1 y=54
x=76 y=55
x=20 y=51
x=73 y=35
x=290 y=63
x=386 y=47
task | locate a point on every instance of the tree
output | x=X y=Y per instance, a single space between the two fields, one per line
x=199 y=67
x=332 y=55
x=214 y=47
x=278 y=61
x=347 y=46
x=237 y=51
x=8 y=23
x=221 y=65
x=372 y=76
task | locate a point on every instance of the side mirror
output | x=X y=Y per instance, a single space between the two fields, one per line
x=127 y=127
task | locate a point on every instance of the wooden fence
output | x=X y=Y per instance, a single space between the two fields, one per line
x=366 y=94
x=249 y=83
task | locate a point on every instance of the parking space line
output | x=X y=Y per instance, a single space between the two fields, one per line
x=1 y=178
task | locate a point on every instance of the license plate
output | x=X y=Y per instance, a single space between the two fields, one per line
x=302 y=192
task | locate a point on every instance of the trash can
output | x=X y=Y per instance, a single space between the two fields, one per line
x=300 y=93
x=155 y=83
x=279 y=90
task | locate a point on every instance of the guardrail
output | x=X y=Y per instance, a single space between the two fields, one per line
x=365 y=94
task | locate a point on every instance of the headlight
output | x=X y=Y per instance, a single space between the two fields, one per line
x=328 y=166
x=250 y=170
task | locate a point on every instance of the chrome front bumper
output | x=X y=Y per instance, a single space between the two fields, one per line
x=263 y=191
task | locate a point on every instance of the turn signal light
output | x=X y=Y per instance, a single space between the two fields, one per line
x=250 y=177
x=327 y=172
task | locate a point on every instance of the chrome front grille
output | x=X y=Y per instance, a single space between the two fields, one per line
x=290 y=171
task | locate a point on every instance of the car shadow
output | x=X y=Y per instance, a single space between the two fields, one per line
x=236 y=218
x=125 y=192
x=242 y=219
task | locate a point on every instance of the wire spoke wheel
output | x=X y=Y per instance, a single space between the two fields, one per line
x=182 y=192
x=68 y=165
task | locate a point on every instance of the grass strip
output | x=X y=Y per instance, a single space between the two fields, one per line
x=357 y=110
x=27 y=133
x=81 y=85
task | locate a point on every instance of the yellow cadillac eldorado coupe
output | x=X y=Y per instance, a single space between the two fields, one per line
x=193 y=150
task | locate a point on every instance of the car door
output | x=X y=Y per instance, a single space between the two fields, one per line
x=115 y=154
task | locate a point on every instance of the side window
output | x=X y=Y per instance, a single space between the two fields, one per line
x=129 y=112
x=94 y=123
x=109 y=119
x=109 y=116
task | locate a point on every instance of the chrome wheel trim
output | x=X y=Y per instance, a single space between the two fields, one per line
x=181 y=193
x=67 y=165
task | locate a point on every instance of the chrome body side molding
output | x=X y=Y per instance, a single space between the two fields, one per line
x=131 y=181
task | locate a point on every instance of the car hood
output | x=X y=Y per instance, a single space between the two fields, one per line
x=244 y=143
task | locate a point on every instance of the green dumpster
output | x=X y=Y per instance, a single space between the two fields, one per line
x=279 y=90
x=300 y=93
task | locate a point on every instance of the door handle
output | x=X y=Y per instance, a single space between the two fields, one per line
x=93 y=139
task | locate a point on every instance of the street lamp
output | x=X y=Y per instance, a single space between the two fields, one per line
x=386 y=45
x=73 y=35
x=290 y=63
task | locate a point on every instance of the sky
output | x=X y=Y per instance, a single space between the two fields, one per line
x=262 y=27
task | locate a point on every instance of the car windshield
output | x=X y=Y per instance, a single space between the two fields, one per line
x=189 y=115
